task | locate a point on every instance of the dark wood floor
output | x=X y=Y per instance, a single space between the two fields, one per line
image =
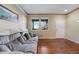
x=57 y=46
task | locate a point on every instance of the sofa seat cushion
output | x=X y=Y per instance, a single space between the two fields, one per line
x=13 y=45
x=24 y=40
x=26 y=48
x=4 y=48
x=29 y=42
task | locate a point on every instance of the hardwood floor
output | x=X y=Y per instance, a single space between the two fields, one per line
x=57 y=46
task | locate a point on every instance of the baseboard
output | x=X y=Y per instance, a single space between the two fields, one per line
x=47 y=38
x=52 y=38
x=61 y=38
x=77 y=42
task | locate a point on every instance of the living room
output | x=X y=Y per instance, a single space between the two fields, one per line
x=53 y=28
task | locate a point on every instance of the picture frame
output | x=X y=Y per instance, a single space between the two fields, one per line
x=7 y=15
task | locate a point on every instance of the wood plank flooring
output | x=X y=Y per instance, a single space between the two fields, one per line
x=57 y=46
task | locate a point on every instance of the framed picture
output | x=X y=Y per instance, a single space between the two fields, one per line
x=7 y=15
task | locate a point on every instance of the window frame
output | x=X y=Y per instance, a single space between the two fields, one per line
x=39 y=24
x=33 y=24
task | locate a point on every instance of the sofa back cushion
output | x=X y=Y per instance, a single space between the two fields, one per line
x=22 y=39
x=4 y=39
x=10 y=41
x=8 y=38
x=14 y=36
x=13 y=45
x=27 y=35
x=13 y=41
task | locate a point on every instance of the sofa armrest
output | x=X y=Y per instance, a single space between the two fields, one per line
x=34 y=38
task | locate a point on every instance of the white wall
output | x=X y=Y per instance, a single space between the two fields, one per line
x=60 y=27
x=22 y=18
x=72 y=26
x=51 y=32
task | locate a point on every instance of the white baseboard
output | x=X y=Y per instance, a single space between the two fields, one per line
x=47 y=38
x=73 y=40
x=50 y=38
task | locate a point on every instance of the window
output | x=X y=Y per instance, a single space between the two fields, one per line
x=44 y=24
x=35 y=24
x=39 y=24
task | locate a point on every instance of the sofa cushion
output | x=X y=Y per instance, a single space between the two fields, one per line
x=22 y=39
x=4 y=48
x=14 y=44
x=26 y=48
x=32 y=35
x=4 y=39
x=13 y=37
x=27 y=35
x=10 y=46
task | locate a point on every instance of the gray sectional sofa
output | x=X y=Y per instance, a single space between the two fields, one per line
x=18 y=43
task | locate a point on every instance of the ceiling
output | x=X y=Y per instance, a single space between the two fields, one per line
x=49 y=8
